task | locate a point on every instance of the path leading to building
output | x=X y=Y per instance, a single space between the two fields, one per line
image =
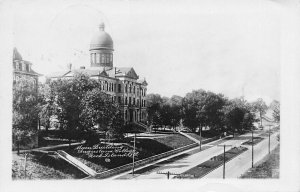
x=189 y=137
x=239 y=165
x=75 y=162
x=50 y=148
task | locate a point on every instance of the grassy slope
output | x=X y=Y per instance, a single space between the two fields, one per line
x=52 y=168
x=145 y=147
x=269 y=168
x=34 y=170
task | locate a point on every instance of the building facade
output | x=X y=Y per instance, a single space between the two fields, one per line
x=23 y=69
x=121 y=83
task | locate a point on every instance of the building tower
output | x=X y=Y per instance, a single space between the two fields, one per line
x=101 y=49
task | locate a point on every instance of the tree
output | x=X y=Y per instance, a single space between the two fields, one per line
x=65 y=97
x=260 y=107
x=275 y=107
x=154 y=104
x=99 y=110
x=193 y=113
x=47 y=104
x=203 y=108
x=237 y=116
x=25 y=111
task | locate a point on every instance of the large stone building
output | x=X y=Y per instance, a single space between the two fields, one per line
x=122 y=83
x=23 y=69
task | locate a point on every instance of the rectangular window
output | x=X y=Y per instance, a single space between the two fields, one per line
x=20 y=66
x=125 y=100
x=133 y=101
x=94 y=56
x=27 y=67
x=102 y=58
x=129 y=100
x=119 y=99
x=97 y=58
x=119 y=88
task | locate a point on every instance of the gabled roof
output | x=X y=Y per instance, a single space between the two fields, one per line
x=127 y=72
x=57 y=74
x=103 y=73
x=16 y=55
x=114 y=72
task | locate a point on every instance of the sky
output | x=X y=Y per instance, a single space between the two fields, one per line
x=230 y=47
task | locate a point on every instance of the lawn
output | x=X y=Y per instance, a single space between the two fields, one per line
x=268 y=168
x=34 y=170
x=256 y=140
x=145 y=146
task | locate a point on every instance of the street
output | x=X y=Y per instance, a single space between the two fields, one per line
x=194 y=157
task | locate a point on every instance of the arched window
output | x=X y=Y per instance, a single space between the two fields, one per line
x=130 y=88
x=126 y=88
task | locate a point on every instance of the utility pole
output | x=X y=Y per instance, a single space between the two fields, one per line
x=252 y=149
x=133 y=154
x=269 y=138
x=200 y=134
x=223 y=158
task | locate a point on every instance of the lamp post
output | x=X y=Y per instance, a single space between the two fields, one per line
x=133 y=154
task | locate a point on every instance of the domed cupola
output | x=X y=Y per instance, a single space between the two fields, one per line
x=101 y=49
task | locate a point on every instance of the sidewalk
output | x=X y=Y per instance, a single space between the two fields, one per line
x=190 y=137
x=239 y=165
x=183 y=164
x=49 y=148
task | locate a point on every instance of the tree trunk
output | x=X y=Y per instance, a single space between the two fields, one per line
x=18 y=146
x=260 y=119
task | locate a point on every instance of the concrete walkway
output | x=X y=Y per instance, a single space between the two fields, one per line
x=239 y=165
x=189 y=137
x=49 y=148
x=75 y=162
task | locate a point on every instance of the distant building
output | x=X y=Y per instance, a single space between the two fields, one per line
x=23 y=69
x=121 y=83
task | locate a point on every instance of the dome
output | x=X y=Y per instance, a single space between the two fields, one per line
x=101 y=40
